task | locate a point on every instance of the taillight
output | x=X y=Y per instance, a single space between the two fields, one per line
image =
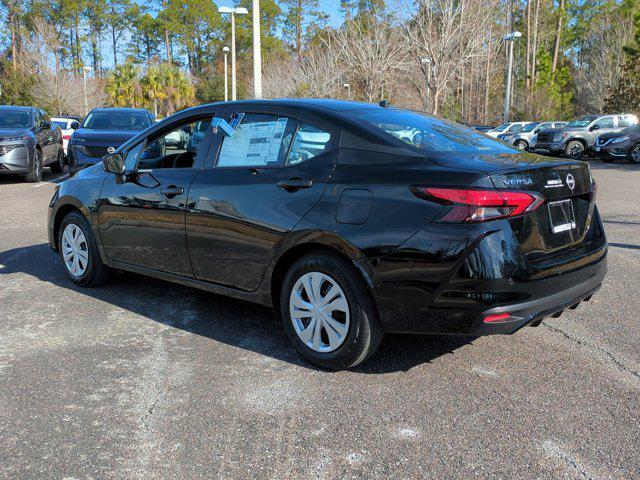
x=66 y=137
x=475 y=205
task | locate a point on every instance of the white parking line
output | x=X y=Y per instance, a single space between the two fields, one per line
x=50 y=181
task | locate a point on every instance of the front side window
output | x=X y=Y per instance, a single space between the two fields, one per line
x=516 y=128
x=175 y=149
x=433 y=134
x=259 y=140
x=115 y=120
x=606 y=122
x=308 y=142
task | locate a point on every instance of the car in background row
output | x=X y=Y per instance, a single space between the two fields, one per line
x=102 y=131
x=579 y=136
x=624 y=145
x=328 y=212
x=522 y=140
x=511 y=127
x=29 y=142
x=67 y=126
x=482 y=128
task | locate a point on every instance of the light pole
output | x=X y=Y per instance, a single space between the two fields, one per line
x=348 y=87
x=427 y=61
x=257 y=53
x=84 y=87
x=510 y=38
x=233 y=12
x=226 y=74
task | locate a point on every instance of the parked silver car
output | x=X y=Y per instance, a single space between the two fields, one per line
x=523 y=140
x=579 y=136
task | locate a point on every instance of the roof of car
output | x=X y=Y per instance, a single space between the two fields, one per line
x=119 y=109
x=311 y=103
x=16 y=107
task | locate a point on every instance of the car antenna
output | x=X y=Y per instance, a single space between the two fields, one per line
x=384 y=103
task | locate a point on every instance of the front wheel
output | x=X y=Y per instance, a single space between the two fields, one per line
x=521 y=145
x=79 y=251
x=574 y=149
x=35 y=174
x=634 y=153
x=58 y=165
x=328 y=312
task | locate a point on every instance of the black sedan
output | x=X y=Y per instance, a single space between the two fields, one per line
x=326 y=211
x=29 y=142
x=102 y=131
x=624 y=145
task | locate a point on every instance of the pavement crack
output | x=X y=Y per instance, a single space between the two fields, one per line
x=621 y=365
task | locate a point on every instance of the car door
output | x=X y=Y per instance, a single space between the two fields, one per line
x=141 y=214
x=46 y=136
x=600 y=126
x=258 y=185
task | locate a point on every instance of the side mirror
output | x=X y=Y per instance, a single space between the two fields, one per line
x=75 y=125
x=113 y=163
x=594 y=127
x=45 y=125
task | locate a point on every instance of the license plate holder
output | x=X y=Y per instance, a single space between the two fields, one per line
x=561 y=216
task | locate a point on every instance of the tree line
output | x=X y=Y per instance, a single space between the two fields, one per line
x=444 y=56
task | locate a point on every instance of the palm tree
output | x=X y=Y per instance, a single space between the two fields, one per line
x=154 y=89
x=123 y=86
x=178 y=90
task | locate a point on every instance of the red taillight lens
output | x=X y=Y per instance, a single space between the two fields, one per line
x=66 y=137
x=474 y=205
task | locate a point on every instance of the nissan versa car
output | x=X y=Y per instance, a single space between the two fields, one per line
x=624 y=145
x=318 y=209
x=102 y=131
x=29 y=142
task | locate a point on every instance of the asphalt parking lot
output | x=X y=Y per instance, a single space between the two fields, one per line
x=144 y=379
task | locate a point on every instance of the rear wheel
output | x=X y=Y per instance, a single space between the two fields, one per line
x=58 y=165
x=634 y=153
x=35 y=175
x=79 y=251
x=574 y=149
x=328 y=313
x=521 y=145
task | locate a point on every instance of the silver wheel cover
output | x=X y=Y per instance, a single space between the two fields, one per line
x=319 y=312
x=75 y=250
x=635 y=153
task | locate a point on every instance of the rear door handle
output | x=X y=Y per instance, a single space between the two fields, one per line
x=172 y=191
x=293 y=184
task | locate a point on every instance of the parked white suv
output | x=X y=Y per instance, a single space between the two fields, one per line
x=512 y=127
x=65 y=124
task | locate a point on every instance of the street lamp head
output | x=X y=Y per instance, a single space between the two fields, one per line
x=225 y=49
x=512 y=35
x=425 y=60
x=225 y=10
x=87 y=68
x=346 y=85
x=241 y=11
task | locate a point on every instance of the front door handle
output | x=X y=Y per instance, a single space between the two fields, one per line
x=172 y=191
x=293 y=184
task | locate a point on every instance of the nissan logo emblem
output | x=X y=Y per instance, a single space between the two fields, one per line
x=571 y=182
x=111 y=150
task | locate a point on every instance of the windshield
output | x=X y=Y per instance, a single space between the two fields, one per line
x=499 y=128
x=433 y=134
x=581 y=122
x=116 y=121
x=530 y=126
x=15 y=119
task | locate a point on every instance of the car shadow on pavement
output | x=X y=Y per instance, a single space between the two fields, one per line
x=233 y=322
x=47 y=176
x=620 y=165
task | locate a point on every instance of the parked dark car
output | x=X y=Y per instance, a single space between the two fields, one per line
x=317 y=208
x=624 y=145
x=102 y=131
x=29 y=142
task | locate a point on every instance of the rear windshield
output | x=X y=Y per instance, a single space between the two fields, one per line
x=433 y=134
x=116 y=121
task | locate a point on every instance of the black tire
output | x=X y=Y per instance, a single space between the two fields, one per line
x=35 y=173
x=58 y=165
x=521 y=145
x=634 y=153
x=574 y=149
x=96 y=272
x=364 y=332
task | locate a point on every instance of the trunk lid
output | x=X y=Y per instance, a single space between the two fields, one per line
x=562 y=221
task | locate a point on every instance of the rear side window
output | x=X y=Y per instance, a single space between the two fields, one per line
x=259 y=141
x=308 y=142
